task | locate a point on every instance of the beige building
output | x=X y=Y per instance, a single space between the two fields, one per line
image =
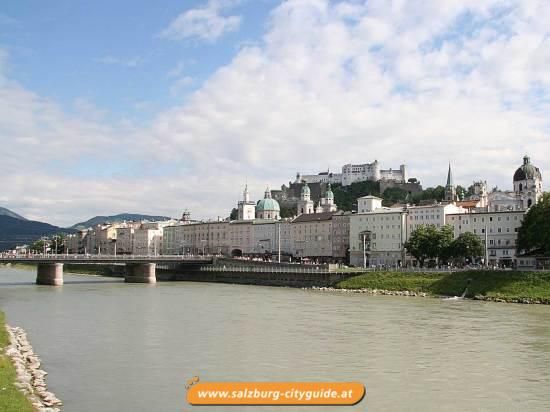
x=196 y=238
x=500 y=229
x=312 y=236
x=268 y=234
x=147 y=241
x=241 y=238
x=340 y=236
x=378 y=237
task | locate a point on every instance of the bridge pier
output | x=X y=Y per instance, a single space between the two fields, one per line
x=140 y=273
x=49 y=274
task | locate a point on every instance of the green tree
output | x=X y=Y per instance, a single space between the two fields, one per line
x=345 y=197
x=430 y=242
x=40 y=246
x=467 y=245
x=234 y=215
x=431 y=193
x=394 y=195
x=287 y=211
x=58 y=240
x=534 y=232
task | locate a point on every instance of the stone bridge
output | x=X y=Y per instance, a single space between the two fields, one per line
x=139 y=269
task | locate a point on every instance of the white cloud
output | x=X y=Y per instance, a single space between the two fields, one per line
x=206 y=23
x=330 y=83
x=116 y=61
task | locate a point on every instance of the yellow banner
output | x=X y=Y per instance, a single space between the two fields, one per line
x=275 y=393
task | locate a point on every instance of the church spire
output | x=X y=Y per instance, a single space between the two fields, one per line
x=450 y=190
x=246 y=196
x=450 y=177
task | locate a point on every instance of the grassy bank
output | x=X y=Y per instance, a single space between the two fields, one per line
x=10 y=397
x=492 y=284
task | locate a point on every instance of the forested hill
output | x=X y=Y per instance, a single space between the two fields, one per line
x=15 y=232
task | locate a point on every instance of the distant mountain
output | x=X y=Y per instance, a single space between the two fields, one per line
x=7 y=212
x=14 y=231
x=98 y=220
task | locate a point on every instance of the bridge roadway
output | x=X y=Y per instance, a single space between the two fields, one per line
x=139 y=269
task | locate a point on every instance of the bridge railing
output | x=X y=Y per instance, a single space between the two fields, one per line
x=110 y=258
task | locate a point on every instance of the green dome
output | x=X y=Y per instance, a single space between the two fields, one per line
x=305 y=190
x=329 y=194
x=268 y=204
x=527 y=171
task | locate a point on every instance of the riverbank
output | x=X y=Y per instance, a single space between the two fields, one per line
x=497 y=286
x=22 y=382
x=11 y=399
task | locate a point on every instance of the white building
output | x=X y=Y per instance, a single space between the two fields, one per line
x=527 y=189
x=246 y=207
x=357 y=173
x=368 y=204
x=305 y=204
x=430 y=215
x=326 y=203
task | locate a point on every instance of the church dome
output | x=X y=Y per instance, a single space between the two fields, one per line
x=527 y=171
x=329 y=194
x=306 y=190
x=267 y=204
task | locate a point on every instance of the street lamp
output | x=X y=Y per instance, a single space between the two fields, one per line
x=366 y=244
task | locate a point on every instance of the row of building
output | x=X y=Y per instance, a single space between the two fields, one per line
x=372 y=235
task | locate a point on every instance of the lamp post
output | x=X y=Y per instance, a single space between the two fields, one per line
x=364 y=251
x=486 y=248
x=279 y=241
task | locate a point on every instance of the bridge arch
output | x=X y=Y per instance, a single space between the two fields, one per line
x=236 y=253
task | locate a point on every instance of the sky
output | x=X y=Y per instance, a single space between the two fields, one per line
x=158 y=107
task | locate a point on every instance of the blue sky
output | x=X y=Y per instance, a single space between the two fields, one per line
x=109 y=107
x=110 y=53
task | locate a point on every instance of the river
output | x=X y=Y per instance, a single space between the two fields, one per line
x=111 y=346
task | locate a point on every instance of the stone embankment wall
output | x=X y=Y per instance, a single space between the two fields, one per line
x=525 y=301
x=371 y=291
x=256 y=276
x=30 y=378
x=386 y=292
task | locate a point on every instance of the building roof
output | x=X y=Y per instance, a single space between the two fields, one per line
x=313 y=217
x=527 y=171
x=268 y=205
x=467 y=204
